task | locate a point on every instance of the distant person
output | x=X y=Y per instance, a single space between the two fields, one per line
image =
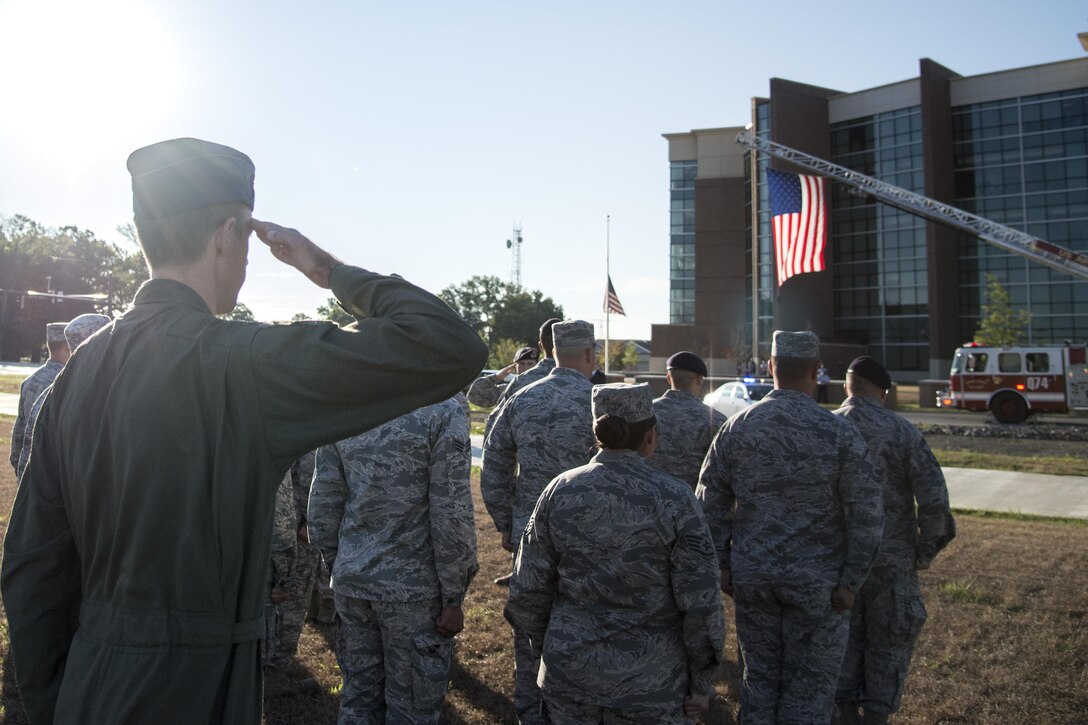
x=545 y=365
x=544 y=429
x=34 y=384
x=136 y=560
x=822 y=381
x=794 y=505
x=75 y=332
x=485 y=391
x=888 y=612
x=685 y=425
x=616 y=581
x=597 y=377
x=391 y=511
x=764 y=371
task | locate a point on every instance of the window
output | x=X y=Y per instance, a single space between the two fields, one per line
x=1008 y=362
x=976 y=362
x=1038 y=362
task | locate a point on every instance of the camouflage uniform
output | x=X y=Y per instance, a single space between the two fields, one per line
x=616 y=585
x=543 y=430
x=537 y=372
x=484 y=392
x=794 y=506
x=294 y=567
x=397 y=501
x=888 y=613
x=75 y=332
x=29 y=391
x=685 y=428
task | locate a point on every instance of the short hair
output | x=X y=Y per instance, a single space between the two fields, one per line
x=683 y=378
x=56 y=347
x=863 y=386
x=546 y=341
x=181 y=238
x=569 y=353
x=793 y=368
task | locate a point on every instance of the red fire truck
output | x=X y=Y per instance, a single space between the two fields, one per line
x=1013 y=382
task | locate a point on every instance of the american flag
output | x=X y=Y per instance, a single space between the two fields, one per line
x=612 y=301
x=799 y=217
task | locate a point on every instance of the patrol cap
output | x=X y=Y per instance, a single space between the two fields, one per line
x=82 y=327
x=527 y=353
x=868 y=368
x=633 y=403
x=183 y=174
x=803 y=344
x=572 y=333
x=686 y=361
x=54 y=332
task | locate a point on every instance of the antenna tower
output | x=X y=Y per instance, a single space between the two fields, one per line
x=514 y=244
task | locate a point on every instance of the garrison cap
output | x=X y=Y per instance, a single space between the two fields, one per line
x=572 y=333
x=686 y=361
x=54 y=331
x=82 y=327
x=868 y=368
x=527 y=353
x=183 y=174
x=633 y=403
x=802 y=344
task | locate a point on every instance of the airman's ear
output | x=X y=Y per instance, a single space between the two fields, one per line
x=225 y=235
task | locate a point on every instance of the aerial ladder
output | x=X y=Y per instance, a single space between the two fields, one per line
x=999 y=235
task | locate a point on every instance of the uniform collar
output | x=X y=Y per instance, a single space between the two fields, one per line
x=856 y=400
x=568 y=372
x=673 y=393
x=614 y=455
x=170 y=292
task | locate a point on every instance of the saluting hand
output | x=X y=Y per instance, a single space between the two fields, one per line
x=292 y=248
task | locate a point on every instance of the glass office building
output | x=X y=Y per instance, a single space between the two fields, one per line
x=1010 y=146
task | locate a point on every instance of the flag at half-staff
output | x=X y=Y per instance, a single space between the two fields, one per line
x=612 y=301
x=799 y=219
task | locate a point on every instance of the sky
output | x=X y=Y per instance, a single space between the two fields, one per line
x=412 y=137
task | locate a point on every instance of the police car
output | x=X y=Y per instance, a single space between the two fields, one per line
x=734 y=397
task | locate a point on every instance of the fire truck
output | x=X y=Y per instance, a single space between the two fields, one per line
x=1014 y=382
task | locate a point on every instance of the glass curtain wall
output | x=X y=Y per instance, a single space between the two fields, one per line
x=1023 y=162
x=682 y=243
x=878 y=253
x=767 y=282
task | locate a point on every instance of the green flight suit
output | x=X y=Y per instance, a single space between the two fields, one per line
x=136 y=558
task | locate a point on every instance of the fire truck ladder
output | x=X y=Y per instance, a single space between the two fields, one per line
x=1007 y=238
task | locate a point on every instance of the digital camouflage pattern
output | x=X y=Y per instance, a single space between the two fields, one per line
x=791 y=643
x=544 y=429
x=486 y=391
x=616 y=586
x=572 y=333
x=794 y=506
x=28 y=434
x=889 y=613
x=391 y=509
x=685 y=429
x=536 y=372
x=396 y=666
x=293 y=572
x=632 y=403
x=31 y=388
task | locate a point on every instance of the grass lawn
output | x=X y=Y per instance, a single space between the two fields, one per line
x=1006 y=640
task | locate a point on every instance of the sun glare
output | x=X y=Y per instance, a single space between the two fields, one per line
x=81 y=76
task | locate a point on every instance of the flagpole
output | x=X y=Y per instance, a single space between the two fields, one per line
x=608 y=279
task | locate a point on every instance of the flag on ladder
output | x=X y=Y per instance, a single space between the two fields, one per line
x=611 y=301
x=799 y=218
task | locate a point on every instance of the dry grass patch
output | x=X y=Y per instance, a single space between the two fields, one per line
x=1006 y=641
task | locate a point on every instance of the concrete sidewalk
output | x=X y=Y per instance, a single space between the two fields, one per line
x=1005 y=491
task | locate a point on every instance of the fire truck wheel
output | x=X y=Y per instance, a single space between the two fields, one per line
x=1009 y=408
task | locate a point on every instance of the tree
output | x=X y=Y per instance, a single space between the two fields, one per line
x=69 y=260
x=478 y=300
x=300 y=317
x=333 y=312
x=240 y=313
x=622 y=355
x=499 y=311
x=521 y=314
x=502 y=353
x=1000 y=326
